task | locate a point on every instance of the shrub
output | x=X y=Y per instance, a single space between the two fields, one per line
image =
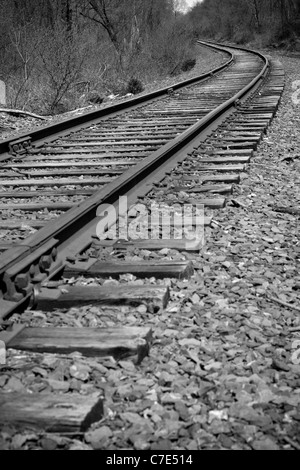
x=188 y=65
x=61 y=63
x=95 y=98
x=134 y=86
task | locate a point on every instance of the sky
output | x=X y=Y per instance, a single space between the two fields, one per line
x=191 y=3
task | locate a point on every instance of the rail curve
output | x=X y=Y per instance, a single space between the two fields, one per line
x=119 y=150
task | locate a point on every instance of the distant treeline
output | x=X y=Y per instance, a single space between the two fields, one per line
x=56 y=54
x=59 y=54
x=268 y=22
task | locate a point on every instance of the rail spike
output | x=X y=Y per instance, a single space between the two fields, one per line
x=20 y=146
x=18 y=281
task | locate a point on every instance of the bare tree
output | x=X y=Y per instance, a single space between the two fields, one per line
x=179 y=6
x=26 y=47
x=103 y=12
x=272 y=20
x=61 y=64
x=256 y=12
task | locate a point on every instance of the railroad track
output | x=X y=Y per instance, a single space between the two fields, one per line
x=182 y=146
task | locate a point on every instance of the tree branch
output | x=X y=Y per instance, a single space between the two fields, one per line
x=18 y=112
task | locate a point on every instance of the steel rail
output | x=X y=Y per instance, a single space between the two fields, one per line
x=51 y=132
x=37 y=257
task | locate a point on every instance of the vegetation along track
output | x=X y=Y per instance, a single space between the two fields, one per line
x=187 y=144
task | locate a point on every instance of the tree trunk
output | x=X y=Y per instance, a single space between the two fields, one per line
x=256 y=14
x=67 y=14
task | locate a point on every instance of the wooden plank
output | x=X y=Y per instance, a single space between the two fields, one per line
x=9 y=174
x=210 y=203
x=58 y=182
x=221 y=178
x=154 y=245
x=235 y=146
x=136 y=132
x=114 y=139
x=92 y=171
x=232 y=152
x=217 y=168
x=247 y=128
x=134 y=121
x=91 y=342
x=213 y=188
x=17 y=224
x=220 y=160
x=250 y=122
x=97 y=151
x=107 y=144
x=143 y=269
x=52 y=413
x=217 y=203
x=255 y=115
x=56 y=193
x=249 y=138
x=70 y=164
x=179 y=112
x=69 y=296
x=54 y=206
x=209 y=178
x=78 y=156
x=244 y=128
x=229 y=133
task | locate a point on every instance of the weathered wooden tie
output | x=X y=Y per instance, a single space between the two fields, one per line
x=154 y=245
x=233 y=178
x=213 y=188
x=49 y=412
x=217 y=160
x=91 y=342
x=142 y=269
x=70 y=296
